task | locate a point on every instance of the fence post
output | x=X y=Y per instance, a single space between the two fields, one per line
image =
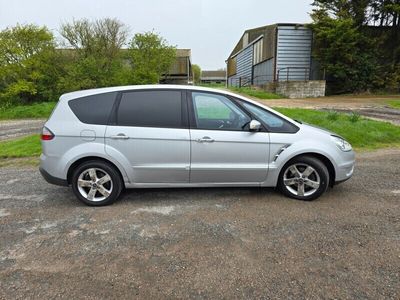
x=287 y=74
x=240 y=82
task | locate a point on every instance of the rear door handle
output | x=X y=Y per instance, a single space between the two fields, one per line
x=120 y=136
x=206 y=139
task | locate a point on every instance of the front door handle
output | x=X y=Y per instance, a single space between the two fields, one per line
x=120 y=136
x=206 y=139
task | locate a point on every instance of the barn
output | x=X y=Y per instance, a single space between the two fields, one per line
x=273 y=53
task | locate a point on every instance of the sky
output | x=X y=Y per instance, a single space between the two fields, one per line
x=211 y=28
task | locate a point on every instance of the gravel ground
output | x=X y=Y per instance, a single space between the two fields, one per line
x=204 y=243
x=11 y=129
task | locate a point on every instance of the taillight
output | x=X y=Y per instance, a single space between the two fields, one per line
x=47 y=135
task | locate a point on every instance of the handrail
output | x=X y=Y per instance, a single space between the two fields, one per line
x=306 y=72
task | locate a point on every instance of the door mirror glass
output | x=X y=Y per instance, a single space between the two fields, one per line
x=254 y=125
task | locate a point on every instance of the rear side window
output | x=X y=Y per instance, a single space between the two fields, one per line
x=93 y=109
x=151 y=109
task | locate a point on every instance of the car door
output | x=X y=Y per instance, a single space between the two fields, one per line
x=223 y=149
x=151 y=131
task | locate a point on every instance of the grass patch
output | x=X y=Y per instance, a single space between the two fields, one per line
x=394 y=103
x=260 y=94
x=33 y=111
x=362 y=133
x=23 y=147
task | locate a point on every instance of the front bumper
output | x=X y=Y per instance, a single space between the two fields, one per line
x=53 y=180
x=345 y=170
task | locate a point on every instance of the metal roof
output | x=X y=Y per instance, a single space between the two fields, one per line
x=179 y=52
x=213 y=74
x=235 y=50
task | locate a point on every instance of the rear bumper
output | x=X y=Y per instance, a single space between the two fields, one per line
x=53 y=180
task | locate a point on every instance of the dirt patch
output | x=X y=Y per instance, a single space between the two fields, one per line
x=372 y=107
x=337 y=102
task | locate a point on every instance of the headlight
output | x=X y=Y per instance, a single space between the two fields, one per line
x=341 y=143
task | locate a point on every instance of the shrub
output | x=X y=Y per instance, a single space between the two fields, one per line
x=354 y=117
x=333 y=115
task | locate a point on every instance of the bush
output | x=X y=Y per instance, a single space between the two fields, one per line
x=29 y=67
x=354 y=117
x=333 y=115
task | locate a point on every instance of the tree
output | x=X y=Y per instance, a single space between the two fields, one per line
x=196 y=73
x=95 y=59
x=385 y=13
x=151 y=57
x=358 y=43
x=345 y=54
x=28 y=65
x=363 y=12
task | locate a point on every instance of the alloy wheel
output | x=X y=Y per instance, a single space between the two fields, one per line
x=301 y=179
x=95 y=184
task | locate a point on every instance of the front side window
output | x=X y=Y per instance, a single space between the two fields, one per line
x=216 y=112
x=273 y=122
x=151 y=109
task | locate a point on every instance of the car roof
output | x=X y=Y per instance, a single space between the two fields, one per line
x=83 y=93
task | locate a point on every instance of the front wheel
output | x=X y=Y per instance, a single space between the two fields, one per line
x=304 y=178
x=96 y=183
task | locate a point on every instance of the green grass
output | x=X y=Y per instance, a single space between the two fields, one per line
x=22 y=147
x=34 y=111
x=362 y=133
x=260 y=94
x=394 y=103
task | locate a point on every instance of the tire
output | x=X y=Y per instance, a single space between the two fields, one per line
x=304 y=178
x=96 y=183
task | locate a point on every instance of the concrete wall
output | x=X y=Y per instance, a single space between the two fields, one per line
x=298 y=89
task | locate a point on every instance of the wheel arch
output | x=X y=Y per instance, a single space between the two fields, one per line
x=324 y=159
x=81 y=160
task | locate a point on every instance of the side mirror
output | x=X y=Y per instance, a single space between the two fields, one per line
x=254 y=125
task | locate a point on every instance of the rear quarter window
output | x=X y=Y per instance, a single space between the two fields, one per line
x=94 y=109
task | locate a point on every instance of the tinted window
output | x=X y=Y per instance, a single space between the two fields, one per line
x=273 y=122
x=93 y=109
x=151 y=109
x=217 y=112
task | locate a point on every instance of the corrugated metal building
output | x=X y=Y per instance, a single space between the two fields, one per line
x=278 y=52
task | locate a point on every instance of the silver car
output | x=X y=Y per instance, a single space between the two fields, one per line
x=101 y=141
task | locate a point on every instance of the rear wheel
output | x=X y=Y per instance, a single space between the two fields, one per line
x=304 y=178
x=96 y=183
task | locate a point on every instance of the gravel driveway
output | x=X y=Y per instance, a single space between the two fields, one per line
x=11 y=129
x=204 y=243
